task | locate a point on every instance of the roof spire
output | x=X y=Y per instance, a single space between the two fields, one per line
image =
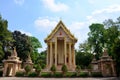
x=60 y=18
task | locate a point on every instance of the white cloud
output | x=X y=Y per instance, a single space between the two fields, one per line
x=79 y=29
x=55 y=7
x=45 y=24
x=103 y=14
x=25 y=32
x=110 y=9
x=19 y=2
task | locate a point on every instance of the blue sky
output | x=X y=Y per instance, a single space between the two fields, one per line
x=38 y=17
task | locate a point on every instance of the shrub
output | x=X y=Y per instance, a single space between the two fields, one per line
x=43 y=66
x=77 y=70
x=96 y=74
x=58 y=74
x=70 y=74
x=53 y=69
x=38 y=70
x=64 y=69
x=84 y=74
x=19 y=74
x=1 y=73
x=27 y=69
x=32 y=74
x=46 y=74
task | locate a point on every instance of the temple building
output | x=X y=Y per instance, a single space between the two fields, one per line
x=60 y=48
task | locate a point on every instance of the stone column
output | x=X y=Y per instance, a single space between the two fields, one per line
x=56 y=51
x=73 y=55
x=47 y=54
x=65 y=50
x=51 y=55
x=113 y=69
x=70 y=54
x=5 y=69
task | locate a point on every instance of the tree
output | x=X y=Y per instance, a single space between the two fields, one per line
x=83 y=59
x=96 y=38
x=116 y=51
x=5 y=39
x=35 y=45
x=41 y=59
x=23 y=45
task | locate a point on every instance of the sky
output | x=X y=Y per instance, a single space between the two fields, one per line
x=39 y=17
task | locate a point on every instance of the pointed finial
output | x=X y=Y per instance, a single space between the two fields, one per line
x=60 y=18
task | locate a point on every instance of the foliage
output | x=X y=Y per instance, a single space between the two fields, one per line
x=78 y=68
x=53 y=69
x=96 y=38
x=35 y=43
x=116 y=51
x=19 y=74
x=57 y=74
x=84 y=74
x=23 y=45
x=106 y=35
x=64 y=69
x=96 y=74
x=27 y=69
x=41 y=60
x=32 y=74
x=38 y=69
x=45 y=74
x=5 y=39
x=83 y=59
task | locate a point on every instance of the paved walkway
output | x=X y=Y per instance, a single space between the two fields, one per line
x=24 y=78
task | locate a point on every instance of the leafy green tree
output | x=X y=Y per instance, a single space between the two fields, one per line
x=83 y=59
x=41 y=59
x=35 y=45
x=96 y=38
x=116 y=51
x=5 y=39
x=23 y=45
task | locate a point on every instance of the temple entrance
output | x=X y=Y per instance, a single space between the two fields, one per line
x=60 y=51
x=9 y=70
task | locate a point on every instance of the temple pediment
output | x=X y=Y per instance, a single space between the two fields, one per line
x=60 y=31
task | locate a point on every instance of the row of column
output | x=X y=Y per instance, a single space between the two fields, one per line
x=50 y=52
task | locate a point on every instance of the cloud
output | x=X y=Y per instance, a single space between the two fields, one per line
x=110 y=9
x=25 y=32
x=45 y=24
x=79 y=29
x=19 y=2
x=55 y=7
x=103 y=14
